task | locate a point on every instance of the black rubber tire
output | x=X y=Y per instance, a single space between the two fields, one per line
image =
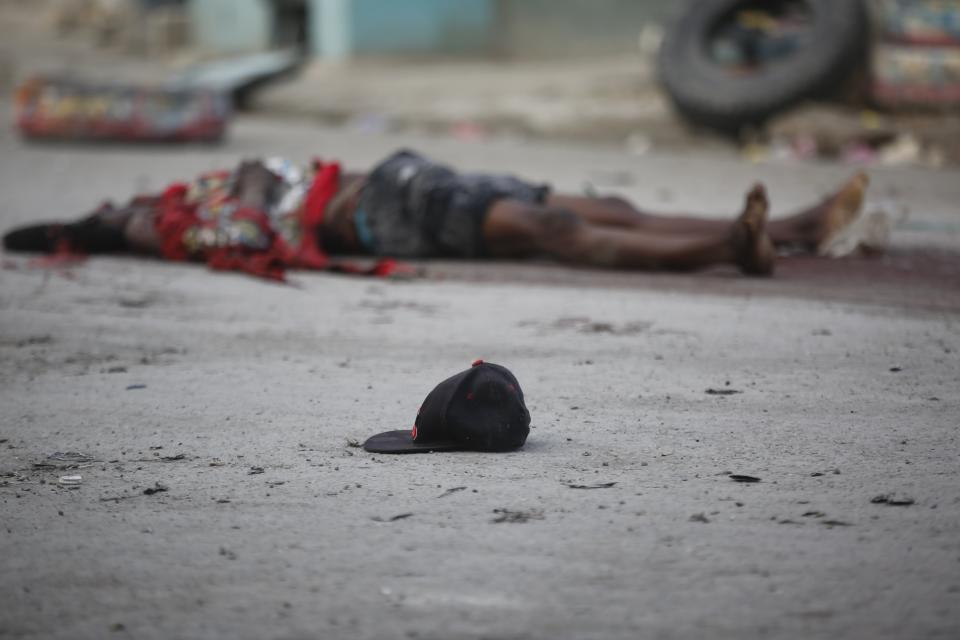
x=707 y=94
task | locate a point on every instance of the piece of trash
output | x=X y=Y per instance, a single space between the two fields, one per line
x=179 y=456
x=131 y=387
x=859 y=153
x=722 y=392
x=598 y=485
x=70 y=481
x=254 y=471
x=506 y=515
x=451 y=490
x=835 y=523
x=905 y=149
x=399 y=516
x=893 y=500
x=736 y=477
x=468 y=131
x=699 y=517
x=896 y=369
x=70 y=456
x=156 y=488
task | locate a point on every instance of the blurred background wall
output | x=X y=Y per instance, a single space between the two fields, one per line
x=231 y=26
x=574 y=28
x=350 y=28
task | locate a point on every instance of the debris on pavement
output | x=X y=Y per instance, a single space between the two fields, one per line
x=174 y=458
x=508 y=515
x=722 y=392
x=399 y=516
x=70 y=456
x=450 y=491
x=115 y=499
x=598 y=485
x=699 y=517
x=156 y=488
x=893 y=500
x=70 y=481
x=228 y=554
x=133 y=387
x=835 y=523
x=255 y=471
x=736 y=477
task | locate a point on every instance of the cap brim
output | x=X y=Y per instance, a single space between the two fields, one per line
x=401 y=442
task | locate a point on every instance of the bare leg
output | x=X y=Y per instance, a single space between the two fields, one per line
x=517 y=229
x=809 y=228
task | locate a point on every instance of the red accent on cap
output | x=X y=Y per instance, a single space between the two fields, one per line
x=470 y=396
x=477 y=362
x=413 y=432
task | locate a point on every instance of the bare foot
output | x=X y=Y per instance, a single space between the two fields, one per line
x=839 y=211
x=752 y=246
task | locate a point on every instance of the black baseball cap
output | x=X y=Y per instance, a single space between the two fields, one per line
x=480 y=409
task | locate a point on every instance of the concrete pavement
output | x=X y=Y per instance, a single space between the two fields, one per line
x=171 y=374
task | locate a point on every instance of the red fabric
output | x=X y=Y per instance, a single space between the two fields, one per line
x=178 y=217
x=173 y=220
